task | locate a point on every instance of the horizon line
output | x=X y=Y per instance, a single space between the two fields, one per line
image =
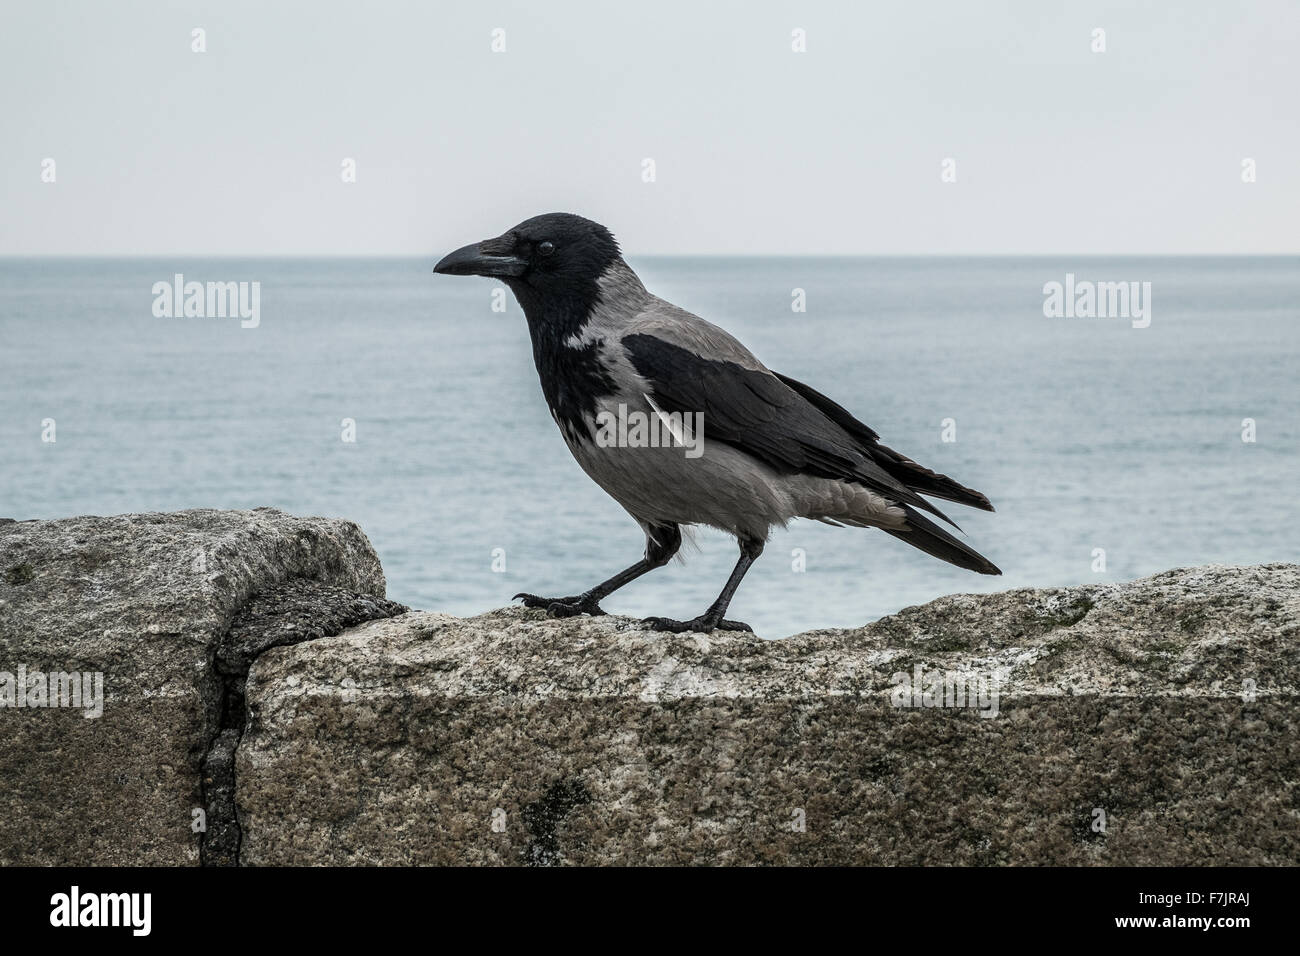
x=668 y=255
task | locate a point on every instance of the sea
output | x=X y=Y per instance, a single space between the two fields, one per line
x=1112 y=445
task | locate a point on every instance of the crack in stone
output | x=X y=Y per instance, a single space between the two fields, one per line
x=293 y=612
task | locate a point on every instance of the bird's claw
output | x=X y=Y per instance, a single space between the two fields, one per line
x=532 y=600
x=700 y=624
x=573 y=609
x=560 y=607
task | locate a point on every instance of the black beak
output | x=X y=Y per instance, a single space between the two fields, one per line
x=472 y=261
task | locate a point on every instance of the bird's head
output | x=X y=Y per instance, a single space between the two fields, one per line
x=555 y=256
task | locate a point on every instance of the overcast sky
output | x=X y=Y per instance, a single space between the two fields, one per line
x=756 y=148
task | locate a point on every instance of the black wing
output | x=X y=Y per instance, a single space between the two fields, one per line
x=763 y=416
x=917 y=477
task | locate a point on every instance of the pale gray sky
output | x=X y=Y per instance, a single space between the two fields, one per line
x=757 y=149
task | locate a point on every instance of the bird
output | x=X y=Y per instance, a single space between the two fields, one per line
x=752 y=449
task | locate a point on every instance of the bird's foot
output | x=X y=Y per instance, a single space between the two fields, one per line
x=561 y=607
x=702 y=624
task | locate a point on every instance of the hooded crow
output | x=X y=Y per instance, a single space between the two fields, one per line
x=749 y=448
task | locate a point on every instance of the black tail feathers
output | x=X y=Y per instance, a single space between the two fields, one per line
x=921 y=532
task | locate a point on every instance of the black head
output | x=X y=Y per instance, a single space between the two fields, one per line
x=553 y=264
x=558 y=254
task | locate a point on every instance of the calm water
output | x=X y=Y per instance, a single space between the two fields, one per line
x=1085 y=433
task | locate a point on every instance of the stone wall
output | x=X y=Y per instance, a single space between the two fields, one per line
x=254 y=671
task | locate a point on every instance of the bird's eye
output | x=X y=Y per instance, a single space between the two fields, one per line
x=546 y=248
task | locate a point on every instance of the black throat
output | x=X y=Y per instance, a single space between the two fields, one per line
x=573 y=377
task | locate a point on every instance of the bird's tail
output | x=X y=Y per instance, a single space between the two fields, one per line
x=921 y=532
x=927 y=482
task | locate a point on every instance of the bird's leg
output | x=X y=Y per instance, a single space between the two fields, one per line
x=589 y=601
x=662 y=542
x=750 y=549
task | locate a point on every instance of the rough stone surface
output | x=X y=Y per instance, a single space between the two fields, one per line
x=146 y=599
x=1162 y=708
